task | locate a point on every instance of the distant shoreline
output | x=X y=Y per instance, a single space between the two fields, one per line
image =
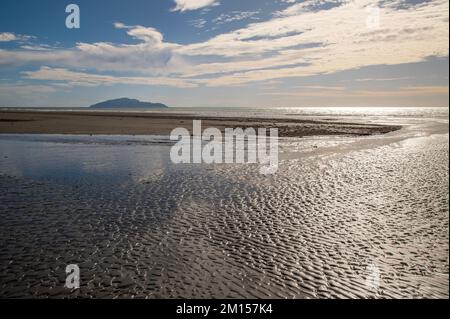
x=139 y=123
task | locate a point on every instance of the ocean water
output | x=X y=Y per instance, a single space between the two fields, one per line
x=344 y=217
x=283 y=112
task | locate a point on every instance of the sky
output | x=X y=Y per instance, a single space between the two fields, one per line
x=226 y=53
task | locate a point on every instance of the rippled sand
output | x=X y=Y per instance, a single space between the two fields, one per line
x=368 y=221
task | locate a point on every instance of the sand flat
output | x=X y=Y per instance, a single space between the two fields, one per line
x=344 y=217
x=361 y=223
x=127 y=123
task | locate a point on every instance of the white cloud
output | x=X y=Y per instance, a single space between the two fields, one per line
x=331 y=37
x=235 y=16
x=187 y=5
x=38 y=47
x=151 y=55
x=120 y=25
x=383 y=79
x=310 y=5
x=328 y=92
x=406 y=35
x=198 y=23
x=73 y=78
x=146 y=34
x=7 y=36
x=321 y=87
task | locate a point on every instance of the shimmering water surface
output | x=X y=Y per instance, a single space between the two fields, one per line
x=344 y=217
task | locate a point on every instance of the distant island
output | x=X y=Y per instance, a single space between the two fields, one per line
x=127 y=103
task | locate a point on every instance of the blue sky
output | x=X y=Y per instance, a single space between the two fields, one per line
x=226 y=53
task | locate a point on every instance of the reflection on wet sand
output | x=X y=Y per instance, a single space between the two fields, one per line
x=343 y=217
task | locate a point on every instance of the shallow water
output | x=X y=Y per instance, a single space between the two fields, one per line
x=343 y=217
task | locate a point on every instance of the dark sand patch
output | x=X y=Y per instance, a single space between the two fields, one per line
x=121 y=123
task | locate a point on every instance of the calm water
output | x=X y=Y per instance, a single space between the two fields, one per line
x=289 y=112
x=343 y=217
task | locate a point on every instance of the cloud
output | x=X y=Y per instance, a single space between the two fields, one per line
x=310 y=5
x=235 y=16
x=286 y=58
x=151 y=55
x=145 y=34
x=187 y=5
x=8 y=37
x=336 y=92
x=72 y=78
x=321 y=87
x=198 y=23
x=336 y=38
x=149 y=35
x=383 y=79
x=38 y=47
x=120 y=25
x=307 y=38
x=224 y=18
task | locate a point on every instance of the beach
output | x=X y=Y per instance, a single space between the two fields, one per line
x=345 y=216
x=219 y=158
x=139 y=123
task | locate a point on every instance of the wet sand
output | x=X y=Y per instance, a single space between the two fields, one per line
x=344 y=217
x=371 y=223
x=122 y=123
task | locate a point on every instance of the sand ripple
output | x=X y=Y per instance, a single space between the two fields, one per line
x=366 y=224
